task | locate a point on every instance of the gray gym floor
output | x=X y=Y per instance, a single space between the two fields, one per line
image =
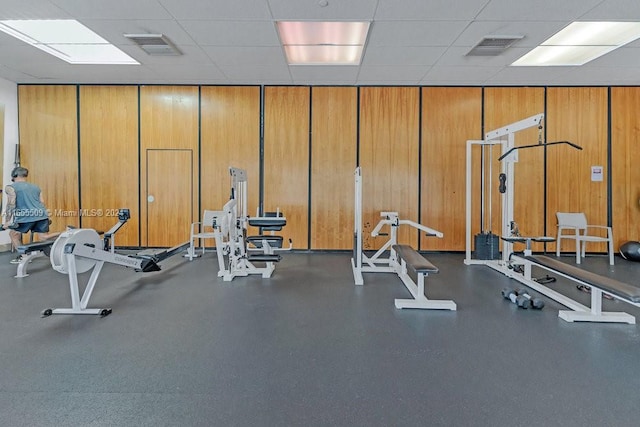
x=309 y=348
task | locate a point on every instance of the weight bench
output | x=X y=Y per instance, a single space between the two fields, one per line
x=30 y=251
x=599 y=285
x=409 y=262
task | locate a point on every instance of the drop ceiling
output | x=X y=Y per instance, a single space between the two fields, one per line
x=411 y=42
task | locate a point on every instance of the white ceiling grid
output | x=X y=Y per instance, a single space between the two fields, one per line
x=411 y=42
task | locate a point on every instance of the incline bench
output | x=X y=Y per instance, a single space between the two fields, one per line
x=409 y=262
x=598 y=284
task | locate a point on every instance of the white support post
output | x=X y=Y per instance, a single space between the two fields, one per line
x=356 y=260
x=78 y=303
x=419 y=300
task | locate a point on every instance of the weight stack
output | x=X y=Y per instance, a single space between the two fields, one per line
x=486 y=246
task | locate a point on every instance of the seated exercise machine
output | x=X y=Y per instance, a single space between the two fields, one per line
x=37 y=249
x=402 y=260
x=518 y=266
x=238 y=252
x=79 y=250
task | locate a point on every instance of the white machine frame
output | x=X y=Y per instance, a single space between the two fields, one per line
x=504 y=137
x=230 y=229
x=378 y=263
x=79 y=250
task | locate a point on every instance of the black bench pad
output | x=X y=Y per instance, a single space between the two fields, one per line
x=414 y=260
x=607 y=284
x=273 y=241
x=36 y=246
x=264 y=257
x=276 y=222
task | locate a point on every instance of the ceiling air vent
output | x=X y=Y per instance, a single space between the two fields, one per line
x=154 y=44
x=493 y=45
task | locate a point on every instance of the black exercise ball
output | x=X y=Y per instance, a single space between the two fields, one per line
x=630 y=251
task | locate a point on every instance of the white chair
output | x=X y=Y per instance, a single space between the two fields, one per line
x=580 y=231
x=201 y=230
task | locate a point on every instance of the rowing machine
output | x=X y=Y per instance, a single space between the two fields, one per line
x=80 y=250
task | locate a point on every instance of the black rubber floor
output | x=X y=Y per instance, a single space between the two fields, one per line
x=309 y=348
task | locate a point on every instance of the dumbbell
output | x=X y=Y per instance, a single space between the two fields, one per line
x=524 y=300
x=510 y=294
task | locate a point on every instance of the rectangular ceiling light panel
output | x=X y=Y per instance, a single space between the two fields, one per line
x=323 y=43
x=66 y=39
x=581 y=42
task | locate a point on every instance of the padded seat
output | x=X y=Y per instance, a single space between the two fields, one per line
x=414 y=260
x=271 y=223
x=264 y=257
x=273 y=241
x=36 y=246
x=611 y=286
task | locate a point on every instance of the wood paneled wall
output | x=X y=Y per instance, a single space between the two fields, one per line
x=90 y=147
x=450 y=117
x=333 y=158
x=109 y=159
x=625 y=155
x=48 y=123
x=286 y=159
x=230 y=127
x=578 y=115
x=168 y=121
x=503 y=106
x=389 y=147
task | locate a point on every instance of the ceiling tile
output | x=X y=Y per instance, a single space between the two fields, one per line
x=459 y=75
x=389 y=55
x=246 y=56
x=344 y=75
x=342 y=10
x=613 y=10
x=217 y=9
x=415 y=33
x=31 y=9
x=257 y=75
x=539 y=10
x=429 y=10
x=113 y=9
x=392 y=74
x=232 y=33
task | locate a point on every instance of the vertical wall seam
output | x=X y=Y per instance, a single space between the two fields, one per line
x=310 y=166
x=358 y=126
x=261 y=153
x=482 y=160
x=139 y=172
x=609 y=160
x=420 y=163
x=79 y=160
x=545 y=172
x=199 y=156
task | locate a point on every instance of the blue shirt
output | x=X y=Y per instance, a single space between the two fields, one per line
x=29 y=208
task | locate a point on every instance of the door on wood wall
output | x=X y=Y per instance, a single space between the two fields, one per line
x=169 y=196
